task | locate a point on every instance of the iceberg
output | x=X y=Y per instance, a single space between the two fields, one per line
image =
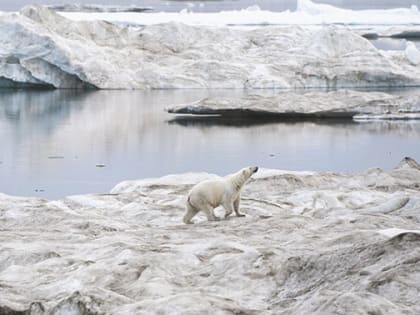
x=412 y=53
x=41 y=48
x=312 y=105
x=311 y=243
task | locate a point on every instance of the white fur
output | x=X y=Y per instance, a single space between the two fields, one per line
x=209 y=194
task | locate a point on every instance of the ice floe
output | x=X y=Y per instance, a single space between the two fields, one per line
x=311 y=243
x=41 y=48
x=291 y=105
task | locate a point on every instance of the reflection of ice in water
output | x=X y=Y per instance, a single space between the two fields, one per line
x=128 y=131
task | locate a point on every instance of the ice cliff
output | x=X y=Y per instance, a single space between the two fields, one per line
x=38 y=47
x=311 y=243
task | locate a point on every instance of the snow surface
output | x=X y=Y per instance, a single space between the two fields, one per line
x=307 y=13
x=334 y=104
x=41 y=48
x=311 y=243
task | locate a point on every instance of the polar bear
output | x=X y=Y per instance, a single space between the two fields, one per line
x=209 y=194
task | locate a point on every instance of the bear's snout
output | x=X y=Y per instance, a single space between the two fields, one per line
x=255 y=169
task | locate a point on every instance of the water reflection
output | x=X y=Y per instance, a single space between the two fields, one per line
x=53 y=141
x=247 y=120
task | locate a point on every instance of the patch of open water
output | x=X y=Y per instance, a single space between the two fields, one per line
x=57 y=143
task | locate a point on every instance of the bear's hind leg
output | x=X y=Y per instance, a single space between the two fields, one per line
x=191 y=212
x=208 y=210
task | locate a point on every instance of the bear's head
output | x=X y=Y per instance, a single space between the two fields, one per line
x=248 y=171
x=241 y=177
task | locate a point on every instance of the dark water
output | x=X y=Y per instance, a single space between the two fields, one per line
x=54 y=142
x=215 y=5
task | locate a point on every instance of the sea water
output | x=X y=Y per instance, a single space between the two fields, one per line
x=61 y=142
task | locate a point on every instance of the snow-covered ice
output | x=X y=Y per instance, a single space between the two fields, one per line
x=39 y=47
x=311 y=243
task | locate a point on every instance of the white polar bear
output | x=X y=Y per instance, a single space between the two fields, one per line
x=209 y=194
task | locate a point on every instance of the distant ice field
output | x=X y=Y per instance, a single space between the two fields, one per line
x=306 y=13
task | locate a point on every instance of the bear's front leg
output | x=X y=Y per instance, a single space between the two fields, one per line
x=228 y=208
x=236 y=207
